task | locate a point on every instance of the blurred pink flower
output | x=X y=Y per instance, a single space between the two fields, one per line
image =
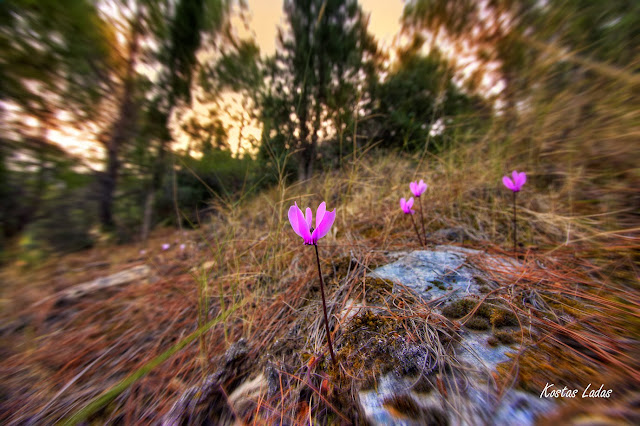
x=417 y=188
x=182 y=246
x=143 y=252
x=301 y=223
x=166 y=246
x=518 y=180
x=406 y=205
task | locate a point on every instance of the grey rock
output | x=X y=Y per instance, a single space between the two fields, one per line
x=431 y=274
x=439 y=275
x=137 y=273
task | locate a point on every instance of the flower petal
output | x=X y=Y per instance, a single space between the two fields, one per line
x=293 y=219
x=322 y=208
x=522 y=178
x=303 y=228
x=413 y=186
x=508 y=183
x=324 y=226
x=409 y=203
x=403 y=203
x=515 y=177
x=423 y=186
x=308 y=217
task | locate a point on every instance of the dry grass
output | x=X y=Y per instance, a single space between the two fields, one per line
x=59 y=356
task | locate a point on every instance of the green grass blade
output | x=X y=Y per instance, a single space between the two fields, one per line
x=107 y=396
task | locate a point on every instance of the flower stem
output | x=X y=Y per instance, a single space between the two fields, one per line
x=424 y=234
x=415 y=227
x=515 y=228
x=324 y=308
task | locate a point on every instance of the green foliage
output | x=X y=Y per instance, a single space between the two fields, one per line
x=417 y=95
x=65 y=221
x=45 y=201
x=191 y=19
x=239 y=70
x=53 y=54
x=604 y=31
x=317 y=75
x=216 y=174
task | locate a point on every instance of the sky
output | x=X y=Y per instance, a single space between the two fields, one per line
x=267 y=15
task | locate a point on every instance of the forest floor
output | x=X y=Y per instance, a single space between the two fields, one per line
x=241 y=302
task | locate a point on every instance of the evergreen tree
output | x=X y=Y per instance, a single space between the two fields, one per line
x=318 y=72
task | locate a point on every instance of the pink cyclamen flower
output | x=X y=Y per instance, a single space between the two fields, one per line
x=182 y=246
x=301 y=223
x=518 y=180
x=165 y=246
x=406 y=205
x=417 y=188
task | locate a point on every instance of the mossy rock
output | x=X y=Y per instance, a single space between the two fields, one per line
x=477 y=323
x=503 y=318
x=462 y=307
x=404 y=406
x=505 y=337
x=438 y=284
x=368 y=345
x=546 y=363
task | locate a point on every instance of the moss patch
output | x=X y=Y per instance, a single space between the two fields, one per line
x=376 y=289
x=477 y=323
x=505 y=337
x=546 y=363
x=462 y=307
x=369 y=344
x=483 y=316
x=402 y=406
x=502 y=318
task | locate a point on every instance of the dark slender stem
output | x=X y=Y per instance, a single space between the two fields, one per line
x=324 y=308
x=515 y=228
x=416 y=229
x=424 y=234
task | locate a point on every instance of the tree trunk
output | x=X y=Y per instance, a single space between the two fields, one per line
x=120 y=134
x=304 y=157
x=108 y=184
x=156 y=182
x=146 y=218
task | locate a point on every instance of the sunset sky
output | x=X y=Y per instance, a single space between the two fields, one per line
x=267 y=15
